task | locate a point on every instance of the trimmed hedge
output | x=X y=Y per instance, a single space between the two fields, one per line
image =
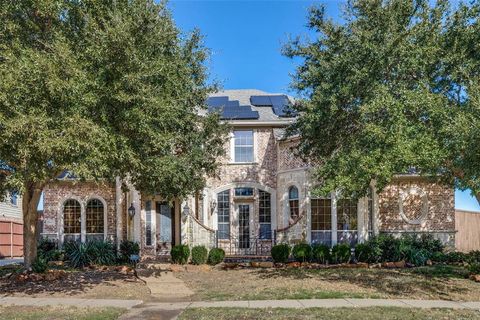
x=321 y=253
x=180 y=254
x=215 y=256
x=199 y=255
x=302 y=252
x=280 y=253
x=341 y=253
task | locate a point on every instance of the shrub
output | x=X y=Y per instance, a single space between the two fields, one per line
x=40 y=265
x=429 y=243
x=362 y=252
x=180 y=254
x=79 y=254
x=439 y=257
x=321 y=253
x=102 y=252
x=473 y=256
x=215 y=256
x=280 y=253
x=474 y=268
x=302 y=252
x=456 y=257
x=128 y=248
x=47 y=249
x=417 y=257
x=341 y=253
x=390 y=248
x=199 y=255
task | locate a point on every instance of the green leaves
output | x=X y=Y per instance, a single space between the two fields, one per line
x=104 y=89
x=389 y=92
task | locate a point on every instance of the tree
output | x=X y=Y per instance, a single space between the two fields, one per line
x=392 y=89
x=102 y=89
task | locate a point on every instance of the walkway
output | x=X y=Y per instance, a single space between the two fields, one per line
x=311 y=303
x=6 y=262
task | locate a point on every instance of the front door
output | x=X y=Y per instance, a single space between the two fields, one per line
x=244 y=226
x=165 y=223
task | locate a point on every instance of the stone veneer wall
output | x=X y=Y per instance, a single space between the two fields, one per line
x=264 y=171
x=56 y=193
x=427 y=207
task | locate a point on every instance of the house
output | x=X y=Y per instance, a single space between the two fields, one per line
x=261 y=196
x=11 y=226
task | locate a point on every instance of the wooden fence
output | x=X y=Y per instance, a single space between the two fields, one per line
x=11 y=239
x=467 y=224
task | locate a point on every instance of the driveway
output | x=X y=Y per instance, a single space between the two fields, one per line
x=6 y=262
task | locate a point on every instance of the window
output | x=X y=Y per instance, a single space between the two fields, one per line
x=243 y=192
x=223 y=214
x=293 y=201
x=148 y=223
x=347 y=214
x=95 y=215
x=265 y=214
x=370 y=209
x=243 y=144
x=13 y=198
x=72 y=217
x=321 y=221
x=347 y=221
x=321 y=214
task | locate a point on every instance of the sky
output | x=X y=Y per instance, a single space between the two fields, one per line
x=245 y=39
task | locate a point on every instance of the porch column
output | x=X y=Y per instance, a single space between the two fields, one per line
x=118 y=209
x=361 y=225
x=334 y=217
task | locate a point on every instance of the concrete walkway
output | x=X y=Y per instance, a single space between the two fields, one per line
x=6 y=262
x=164 y=286
x=298 y=304
x=37 y=302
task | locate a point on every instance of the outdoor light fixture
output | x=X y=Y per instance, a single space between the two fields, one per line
x=131 y=211
x=213 y=205
x=186 y=210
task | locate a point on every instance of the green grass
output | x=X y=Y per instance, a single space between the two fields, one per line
x=57 y=313
x=373 y=313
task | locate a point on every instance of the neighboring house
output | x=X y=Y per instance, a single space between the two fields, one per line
x=261 y=196
x=468 y=225
x=11 y=226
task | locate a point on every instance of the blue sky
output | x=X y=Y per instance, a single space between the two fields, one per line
x=245 y=38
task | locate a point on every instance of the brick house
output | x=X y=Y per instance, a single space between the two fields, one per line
x=262 y=195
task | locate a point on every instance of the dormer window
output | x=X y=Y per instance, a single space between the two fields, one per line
x=243 y=146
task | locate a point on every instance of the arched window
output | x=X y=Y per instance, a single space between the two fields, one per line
x=94 y=216
x=293 y=201
x=72 y=222
x=223 y=214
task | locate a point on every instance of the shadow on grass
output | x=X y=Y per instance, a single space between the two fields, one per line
x=73 y=283
x=430 y=281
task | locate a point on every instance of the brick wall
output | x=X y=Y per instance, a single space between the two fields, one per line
x=55 y=194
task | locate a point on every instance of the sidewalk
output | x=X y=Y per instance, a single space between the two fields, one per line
x=312 y=303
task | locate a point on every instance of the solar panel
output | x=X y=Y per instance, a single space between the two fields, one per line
x=237 y=113
x=280 y=104
x=216 y=102
x=260 y=100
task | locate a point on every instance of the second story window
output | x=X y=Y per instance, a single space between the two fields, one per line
x=243 y=146
x=13 y=198
x=293 y=202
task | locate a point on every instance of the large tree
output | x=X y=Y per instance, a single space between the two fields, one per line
x=101 y=89
x=393 y=87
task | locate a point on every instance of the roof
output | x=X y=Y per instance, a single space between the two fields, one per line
x=251 y=105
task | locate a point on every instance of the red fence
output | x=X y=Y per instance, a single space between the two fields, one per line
x=11 y=239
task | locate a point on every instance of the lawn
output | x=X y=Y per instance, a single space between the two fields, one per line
x=78 y=284
x=54 y=313
x=374 y=313
x=437 y=282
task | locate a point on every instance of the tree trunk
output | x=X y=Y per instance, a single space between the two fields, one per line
x=30 y=200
